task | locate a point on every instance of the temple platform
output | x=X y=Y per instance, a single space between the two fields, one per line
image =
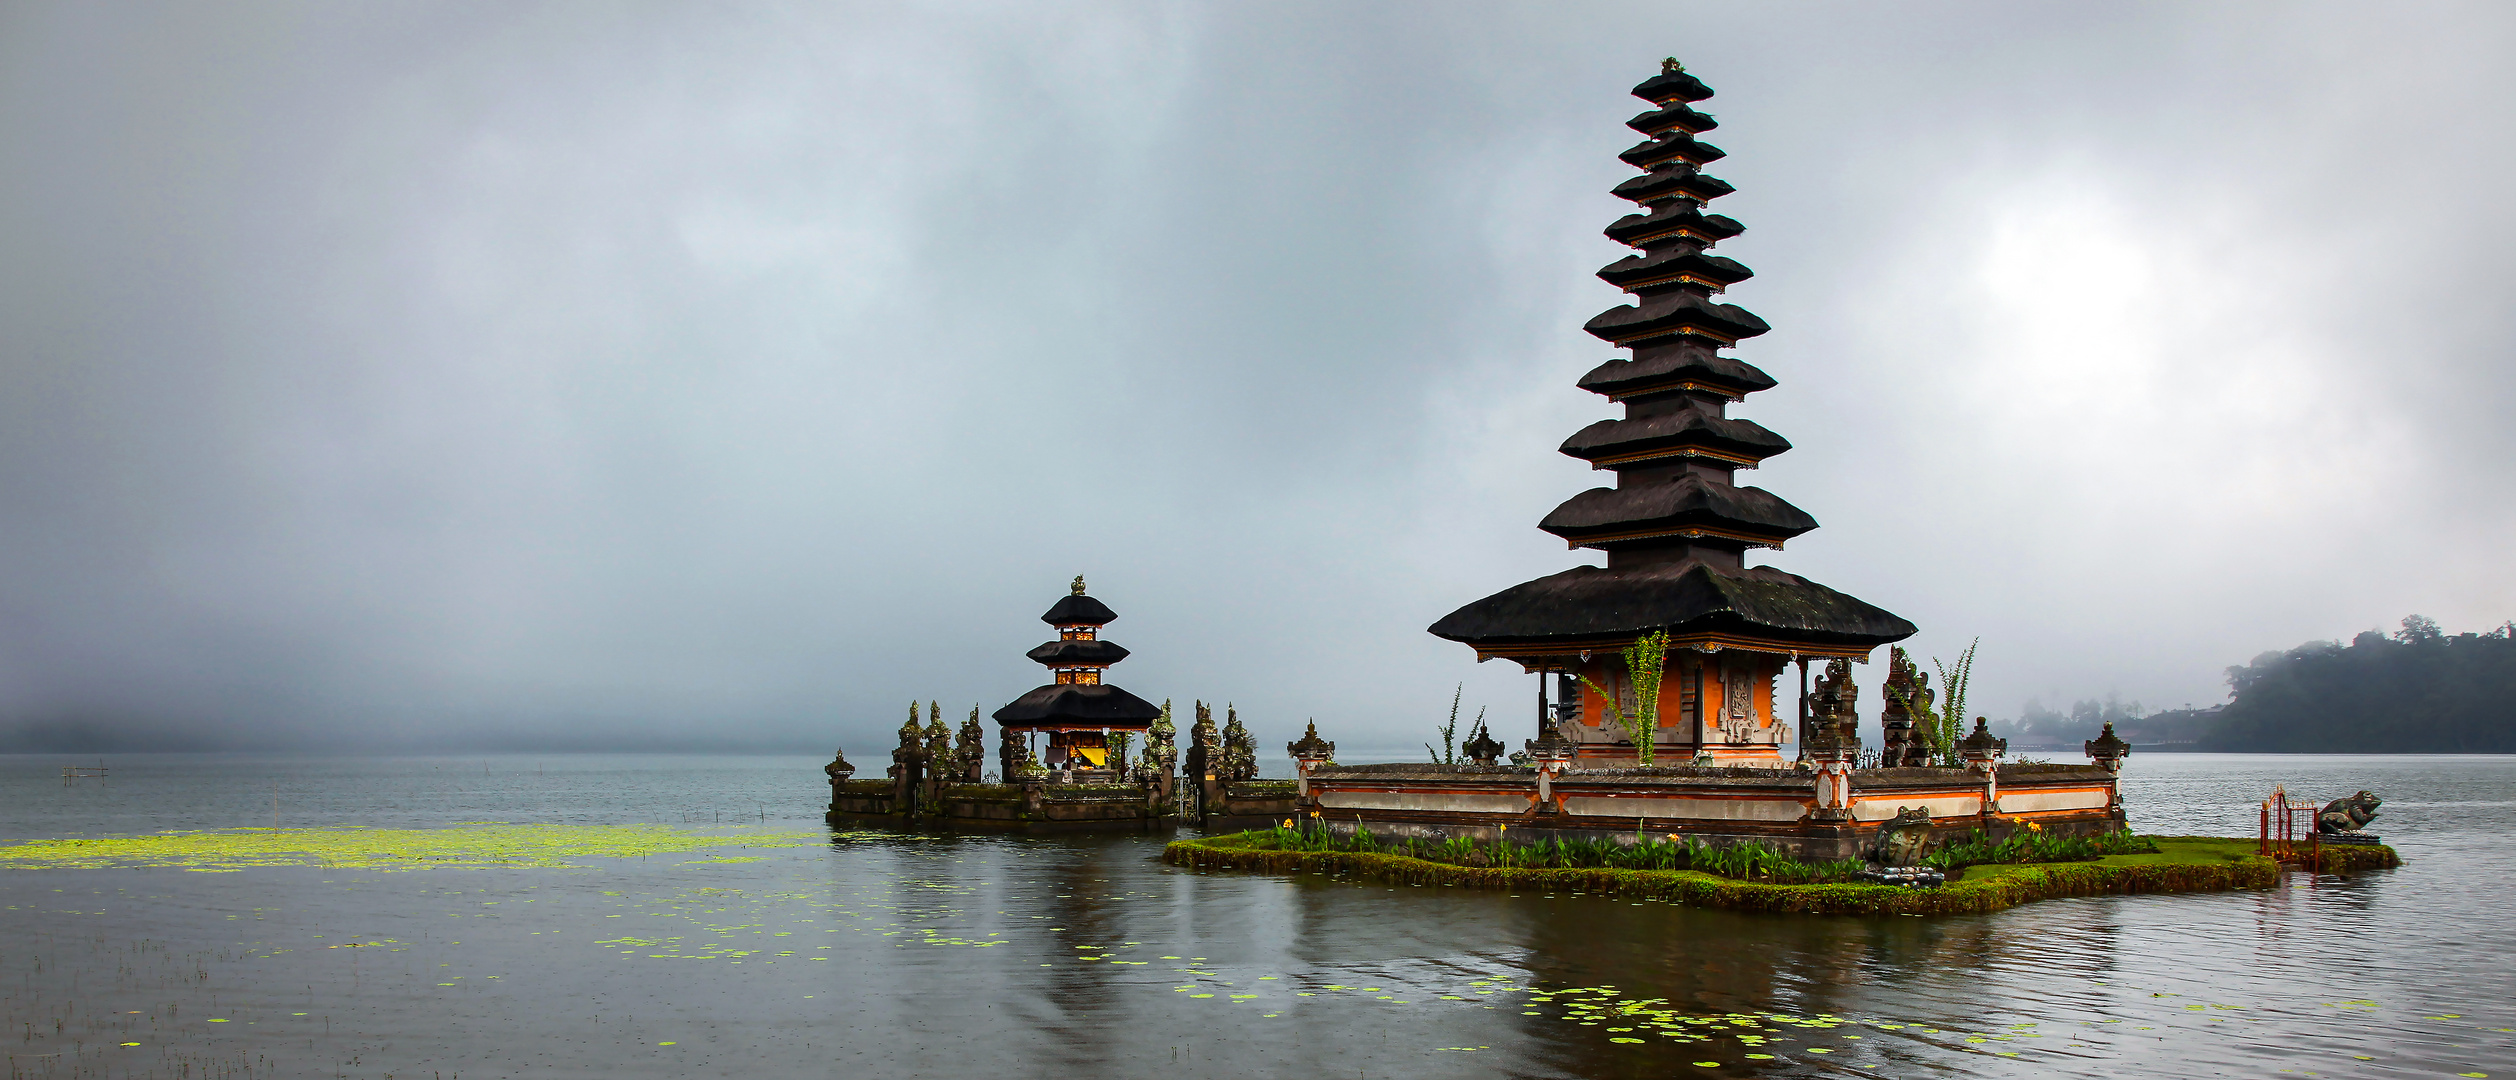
x=1030 y=808
x=1784 y=808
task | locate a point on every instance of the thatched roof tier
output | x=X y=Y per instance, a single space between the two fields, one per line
x=1078 y=653
x=1594 y=607
x=1079 y=707
x=1684 y=505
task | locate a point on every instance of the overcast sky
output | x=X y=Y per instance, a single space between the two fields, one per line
x=603 y=375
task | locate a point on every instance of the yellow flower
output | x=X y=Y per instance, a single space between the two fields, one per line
x=1288 y=823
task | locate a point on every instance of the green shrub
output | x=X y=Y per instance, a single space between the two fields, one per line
x=1746 y=862
x=2033 y=846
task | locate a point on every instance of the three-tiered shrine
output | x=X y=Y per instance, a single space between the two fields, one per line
x=1677 y=525
x=1077 y=710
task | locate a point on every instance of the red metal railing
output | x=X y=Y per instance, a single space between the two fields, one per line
x=2289 y=832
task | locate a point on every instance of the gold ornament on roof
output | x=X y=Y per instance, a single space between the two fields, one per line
x=1078 y=585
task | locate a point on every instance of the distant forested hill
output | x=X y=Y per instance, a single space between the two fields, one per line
x=2420 y=691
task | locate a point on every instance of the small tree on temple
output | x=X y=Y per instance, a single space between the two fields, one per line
x=1119 y=741
x=1448 y=755
x=1945 y=725
x=1644 y=662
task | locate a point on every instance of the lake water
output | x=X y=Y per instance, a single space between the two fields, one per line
x=871 y=954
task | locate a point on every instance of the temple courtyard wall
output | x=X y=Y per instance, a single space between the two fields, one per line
x=1002 y=807
x=1720 y=806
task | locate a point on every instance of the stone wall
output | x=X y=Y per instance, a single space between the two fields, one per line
x=1715 y=805
x=1014 y=807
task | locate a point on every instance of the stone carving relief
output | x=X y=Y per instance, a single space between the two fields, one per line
x=1738 y=703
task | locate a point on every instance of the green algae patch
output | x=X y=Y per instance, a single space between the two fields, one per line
x=2181 y=864
x=454 y=847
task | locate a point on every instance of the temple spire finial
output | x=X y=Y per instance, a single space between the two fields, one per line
x=1670 y=66
x=1078 y=587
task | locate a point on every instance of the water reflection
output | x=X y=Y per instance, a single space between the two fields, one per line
x=908 y=954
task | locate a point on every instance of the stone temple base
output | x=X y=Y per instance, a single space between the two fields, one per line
x=1030 y=808
x=1720 y=806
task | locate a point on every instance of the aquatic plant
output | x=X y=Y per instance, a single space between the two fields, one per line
x=473 y=846
x=1645 y=660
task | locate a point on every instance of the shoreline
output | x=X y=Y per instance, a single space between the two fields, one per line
x=2183 y=864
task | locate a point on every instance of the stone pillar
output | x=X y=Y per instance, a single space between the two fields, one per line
x=1549 y=754
x=1309 y=752
x=2108 y=751
x=1834 y=744
x=1982 y=755
x=907 y=761
x=838 y=770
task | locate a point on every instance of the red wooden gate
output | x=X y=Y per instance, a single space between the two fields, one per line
x=2289 y=832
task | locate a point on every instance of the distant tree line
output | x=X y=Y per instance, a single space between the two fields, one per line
x=2420 y=690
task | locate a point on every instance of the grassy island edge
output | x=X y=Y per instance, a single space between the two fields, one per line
x=2181 y=864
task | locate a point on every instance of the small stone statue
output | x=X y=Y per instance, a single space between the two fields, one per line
x=1900 y=841
x=2347 y=816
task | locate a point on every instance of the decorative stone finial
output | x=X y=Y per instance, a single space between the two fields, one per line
x=1481 y=747
x=1550 y=751
x=2108 y=750
x=1670 y=66
x=1311 y=748
x=1078 y=586
x=1981 y=746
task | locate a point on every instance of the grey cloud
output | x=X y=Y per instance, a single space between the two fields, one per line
x=659 y=376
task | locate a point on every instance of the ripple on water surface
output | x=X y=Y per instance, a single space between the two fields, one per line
x=612 y=947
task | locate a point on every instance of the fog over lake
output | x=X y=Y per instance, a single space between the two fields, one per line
x=451 y=375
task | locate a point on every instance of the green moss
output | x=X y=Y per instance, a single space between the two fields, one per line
x=473 y=846
x=2181 y=864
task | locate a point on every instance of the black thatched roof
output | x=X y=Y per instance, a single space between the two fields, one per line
x=1674 y=146
x=1684 y=596
x=1675 y=430
x=1673 y=118
x=1681 y=501
x=1669 y=181
x=1644 y=269
x=1671 y=86
x=1672 y=313
x=1100 y=705
x=1078 y=653
x=1693 y=362
x=1673 y=219
x=1079 y=610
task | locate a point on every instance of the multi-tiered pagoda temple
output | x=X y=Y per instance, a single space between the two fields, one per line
x=1077 y=710
x=1677 y=525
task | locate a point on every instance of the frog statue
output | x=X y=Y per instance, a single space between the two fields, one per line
x=1901 y=840
x=2347 y=815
